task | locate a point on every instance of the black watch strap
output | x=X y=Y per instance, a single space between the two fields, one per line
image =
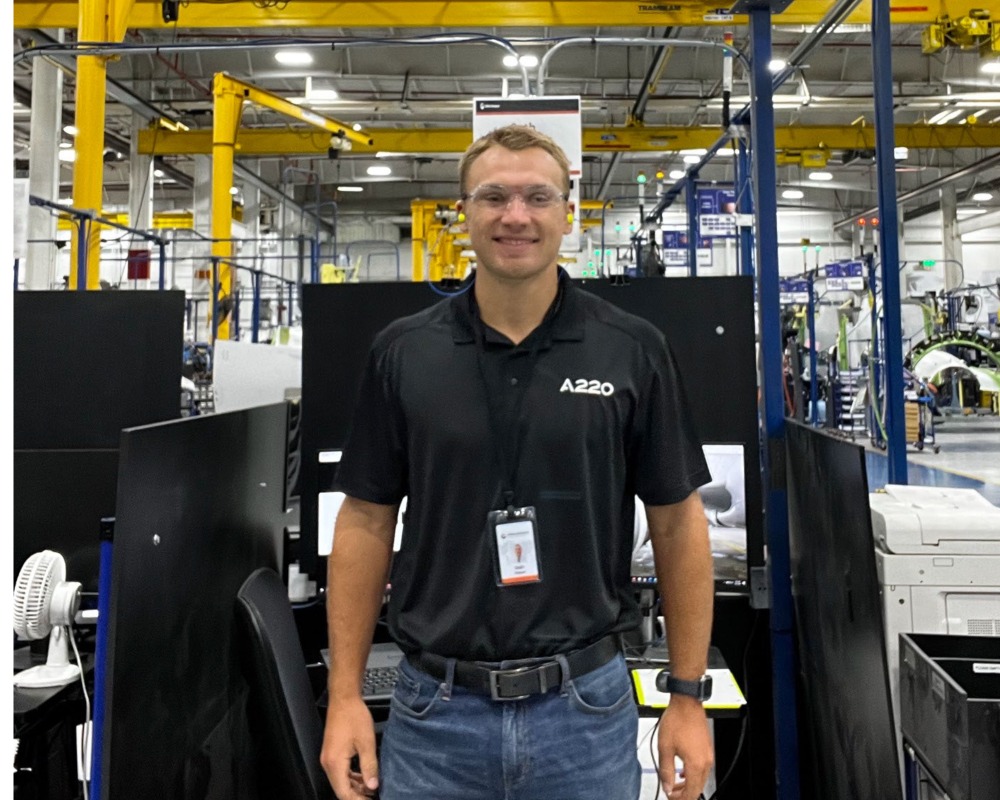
x=700 y=689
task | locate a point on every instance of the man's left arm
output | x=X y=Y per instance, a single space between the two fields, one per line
x=684 y=571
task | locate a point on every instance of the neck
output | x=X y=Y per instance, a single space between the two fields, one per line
x=515 y=308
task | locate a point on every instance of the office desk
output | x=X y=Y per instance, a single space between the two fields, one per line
x=45 y=723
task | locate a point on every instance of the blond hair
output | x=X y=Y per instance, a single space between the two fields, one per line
x=513 y=137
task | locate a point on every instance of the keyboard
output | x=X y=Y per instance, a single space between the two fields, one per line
x=378 y=684
x=380 y=673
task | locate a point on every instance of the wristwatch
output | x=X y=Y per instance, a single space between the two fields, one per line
x=700 y=689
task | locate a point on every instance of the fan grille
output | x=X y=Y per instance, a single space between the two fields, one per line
x=33 y=593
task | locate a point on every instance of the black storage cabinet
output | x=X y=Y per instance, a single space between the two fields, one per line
x=950 y=710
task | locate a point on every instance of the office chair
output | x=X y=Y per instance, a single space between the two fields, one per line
x=285 y=721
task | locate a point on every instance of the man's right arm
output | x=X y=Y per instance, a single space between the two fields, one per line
x=357 y=574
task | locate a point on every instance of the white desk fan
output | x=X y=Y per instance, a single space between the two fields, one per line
x=44 y=605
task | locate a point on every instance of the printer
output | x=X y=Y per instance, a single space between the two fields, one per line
x=937 y=553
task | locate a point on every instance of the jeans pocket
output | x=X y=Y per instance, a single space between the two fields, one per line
x=605 y=690
x=415 y=694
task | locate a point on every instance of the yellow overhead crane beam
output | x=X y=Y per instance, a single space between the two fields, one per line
x=229 y=96
x=98 y=21
x=436 y=13
x=253 y=142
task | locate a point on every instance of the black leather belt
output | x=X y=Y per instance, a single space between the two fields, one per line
x=518 y=682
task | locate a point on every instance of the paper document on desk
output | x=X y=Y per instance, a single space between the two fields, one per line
x=726 y=692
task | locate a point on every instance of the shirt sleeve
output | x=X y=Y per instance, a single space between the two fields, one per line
x=667 y=459
x=374 y=463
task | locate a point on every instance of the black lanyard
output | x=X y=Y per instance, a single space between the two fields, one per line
x=508 y=467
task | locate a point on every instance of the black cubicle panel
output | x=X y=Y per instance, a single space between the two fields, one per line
x=60 y=497
x=200 y=507
x=846 y=710
x=708 y=322
x=87 y=364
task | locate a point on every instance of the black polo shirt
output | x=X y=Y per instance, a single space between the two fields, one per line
x=603 y=418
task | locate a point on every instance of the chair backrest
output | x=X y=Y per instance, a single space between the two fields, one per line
x=288 y=726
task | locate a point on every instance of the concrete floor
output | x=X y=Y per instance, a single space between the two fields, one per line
x=969 y=456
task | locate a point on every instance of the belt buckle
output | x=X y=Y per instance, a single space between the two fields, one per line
x=497 y=674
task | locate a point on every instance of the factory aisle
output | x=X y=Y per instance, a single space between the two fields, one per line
x=969 y=457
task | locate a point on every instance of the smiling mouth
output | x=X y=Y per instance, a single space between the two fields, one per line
x=512 y=242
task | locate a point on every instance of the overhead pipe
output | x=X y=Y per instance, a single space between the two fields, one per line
x=638 y=107
x=833 y=17
x=944 y=180
x=99 y=48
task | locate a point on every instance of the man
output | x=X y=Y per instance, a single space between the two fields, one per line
x=520 y=419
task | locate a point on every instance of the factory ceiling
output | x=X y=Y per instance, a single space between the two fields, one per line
x=405 y=73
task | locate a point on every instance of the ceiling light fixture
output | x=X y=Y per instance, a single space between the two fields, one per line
x=901 y=153
x=357 y=126
x=322 y=91
x=820 y=176
x=71 y=130
x=524 y=61
x=793 y=194
x=945 y=116
x=777 y=64
x=982 y=197
x=233 y=190
x=350 y=188
x=379 y=171
x=158 y=173
x=677 y=174
x=69 y=156
x=692 y=159
x=990 y=67
x=293 y=58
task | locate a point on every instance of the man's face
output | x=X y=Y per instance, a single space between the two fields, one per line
x=518 y=239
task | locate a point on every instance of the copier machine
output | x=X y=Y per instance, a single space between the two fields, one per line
x=937 y=552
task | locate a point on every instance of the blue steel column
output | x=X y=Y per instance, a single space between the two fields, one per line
x=888 y=230
x=215 y=299
x=81 y=254
x=163 y=263
x=786 y=738
x=255 y=318
x=744 y=205
x=813 y=366
x=694 y=234
x=100 y=654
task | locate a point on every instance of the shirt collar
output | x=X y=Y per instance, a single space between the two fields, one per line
x=567 y=320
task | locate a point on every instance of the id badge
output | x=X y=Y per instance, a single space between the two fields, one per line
x=515 y=533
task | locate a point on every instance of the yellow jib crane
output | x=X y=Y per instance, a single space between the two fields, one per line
x=229 y=96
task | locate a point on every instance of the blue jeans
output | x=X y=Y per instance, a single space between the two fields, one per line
x=576 y=742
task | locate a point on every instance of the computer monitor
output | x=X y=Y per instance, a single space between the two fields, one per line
x=199 y=508
x=708 y=322
x=838 y=619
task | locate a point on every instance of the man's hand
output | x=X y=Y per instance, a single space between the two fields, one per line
x=350 y=732
x=684 y=733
